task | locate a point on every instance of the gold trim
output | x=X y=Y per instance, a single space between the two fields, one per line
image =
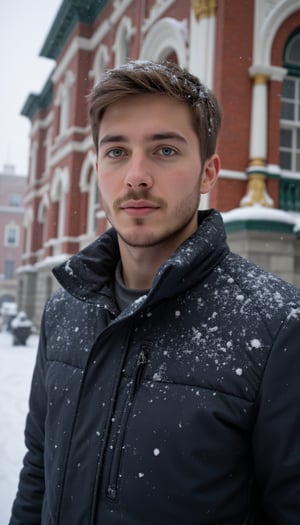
x=257 y=192
x=204 y=8
x=257 y=162
x=260 y=78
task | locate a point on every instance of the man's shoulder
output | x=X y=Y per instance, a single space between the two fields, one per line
x=262 y=288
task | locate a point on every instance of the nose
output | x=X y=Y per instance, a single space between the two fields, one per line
x=138 y=174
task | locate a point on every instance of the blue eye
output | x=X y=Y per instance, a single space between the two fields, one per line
x=115 y=153
x=167 y=151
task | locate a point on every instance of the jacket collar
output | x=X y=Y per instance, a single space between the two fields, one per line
x=89 y=274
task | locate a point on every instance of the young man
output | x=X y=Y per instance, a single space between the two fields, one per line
x=166 y=387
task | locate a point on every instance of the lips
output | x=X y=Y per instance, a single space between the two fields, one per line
x=139 y=204
x=139 y=207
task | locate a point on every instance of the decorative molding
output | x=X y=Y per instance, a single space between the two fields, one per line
x=260 y=79
x=237 y=175
x=36 y=193
x=159 y=7
x=166 y=36
x=61 y=180
x=61 y=240
x=271 y=72
x=69 y=148
x=13 y=210
x=90 y=44
x=257 y=192
x=101 y=61
x=68 y=132
x=41 y=124
x=204 y=8
x=257 y=162
x=119 y=7
x=87 y=166
x=269 y=15
x=124 y=33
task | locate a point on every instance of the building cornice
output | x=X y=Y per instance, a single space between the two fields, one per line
x=35 y=103
x=70 y=13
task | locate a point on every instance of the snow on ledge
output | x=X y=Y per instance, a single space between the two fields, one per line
x=297 y=225
x=259 y=213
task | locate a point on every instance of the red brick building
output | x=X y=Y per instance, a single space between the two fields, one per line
x=12 y=191
x=248 y=51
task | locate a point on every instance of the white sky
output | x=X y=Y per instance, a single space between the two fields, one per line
x=24 y=25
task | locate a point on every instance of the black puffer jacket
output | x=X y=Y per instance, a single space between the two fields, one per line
x=183 y=409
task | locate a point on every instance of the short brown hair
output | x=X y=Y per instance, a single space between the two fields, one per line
x=139 y=77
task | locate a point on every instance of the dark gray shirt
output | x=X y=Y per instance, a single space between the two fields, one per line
x=125 y=296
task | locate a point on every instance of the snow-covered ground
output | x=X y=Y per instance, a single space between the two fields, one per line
x=15 y=377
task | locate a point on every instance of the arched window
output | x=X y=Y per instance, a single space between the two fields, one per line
x=88 y=184
x=290 y=107
x=100 y=63
x=42 y=218
x=59 y=189
x=48 y=144
x=33 y=161
x=63 y=102
x=28 y=221
x=167 y=39
x=121 y=46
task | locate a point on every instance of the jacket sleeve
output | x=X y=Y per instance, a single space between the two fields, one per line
x=276 y=439
x=27 y=506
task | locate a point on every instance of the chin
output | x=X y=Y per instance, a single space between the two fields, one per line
x=139 y=239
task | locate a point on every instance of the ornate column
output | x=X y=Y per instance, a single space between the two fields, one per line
x=202 y=49
x=257 y=171
x=202 y=39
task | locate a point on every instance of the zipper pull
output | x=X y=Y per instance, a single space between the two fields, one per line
x=141 y=362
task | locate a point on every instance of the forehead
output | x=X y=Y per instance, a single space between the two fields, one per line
x=146 y=111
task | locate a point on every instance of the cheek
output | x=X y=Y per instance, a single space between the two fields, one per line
x=104 y=182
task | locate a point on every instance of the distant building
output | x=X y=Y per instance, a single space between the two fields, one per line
x=12 y=191
x=247 y=51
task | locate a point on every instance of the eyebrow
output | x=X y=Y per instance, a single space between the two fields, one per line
x=164 y=135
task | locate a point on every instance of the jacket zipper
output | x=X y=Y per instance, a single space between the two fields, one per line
x=115 y=465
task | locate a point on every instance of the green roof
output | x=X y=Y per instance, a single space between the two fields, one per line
x=258 y=225
x=36 y=102
x=70 y=13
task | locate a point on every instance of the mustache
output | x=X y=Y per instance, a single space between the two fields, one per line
x=139 y=195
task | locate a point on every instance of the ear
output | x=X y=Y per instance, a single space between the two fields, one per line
x=210 y=173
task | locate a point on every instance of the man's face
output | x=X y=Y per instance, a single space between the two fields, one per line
x=149 y=171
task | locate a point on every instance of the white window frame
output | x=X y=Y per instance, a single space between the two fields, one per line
x=7 y=235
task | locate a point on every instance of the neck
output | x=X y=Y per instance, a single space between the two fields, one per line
x=140 y=265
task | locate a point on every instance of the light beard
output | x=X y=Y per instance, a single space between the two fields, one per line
x=150 y=240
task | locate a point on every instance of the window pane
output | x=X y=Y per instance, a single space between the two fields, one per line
x=285 y=160
x=298 y=139
x=287 y=111
x=288 y=88
x=11 y=235
x=293 y=55
x=297 y=161
x=286 y=138
x=14 y=199
x=9 y=268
